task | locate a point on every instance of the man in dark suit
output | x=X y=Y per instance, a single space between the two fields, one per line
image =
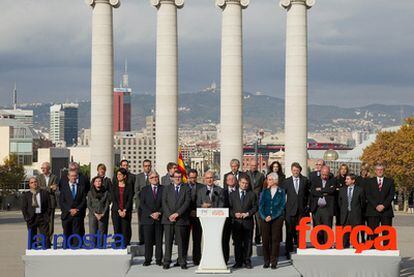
x=36 y=210
x=210 y=196
x=256 y=179
x=297 y=189
x=176 y=201
x=235 y=166
x=243 y=206
x=380 y=193
x=323 y=190
x=167 y=179
x=141 y=180
x=195 y=225
x=72 y=202
x=151 y=207
x=228 y=224
x=351 y=201
x=49 y=182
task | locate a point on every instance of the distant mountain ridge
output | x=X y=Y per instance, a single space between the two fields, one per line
x=260 y=111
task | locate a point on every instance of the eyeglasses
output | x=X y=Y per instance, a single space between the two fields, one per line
x=154 y=177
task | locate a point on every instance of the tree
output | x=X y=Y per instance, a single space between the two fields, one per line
x=11 y=175
x=396 y=151
x=85 y=169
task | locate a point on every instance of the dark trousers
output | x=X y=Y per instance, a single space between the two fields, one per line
x=375 y=221
x=122 y=226
x=257 y=229
x=352 y=223
x=153 y=236
x=180 y=232
x=73 y=225
x=197 y=233
x=51 y=229
x=225 y=239
x=272 y=236
x=291 y=233
x=322 y=216
x=242 y=237
x=100 y=226
x=140 y=227
x=39 y=225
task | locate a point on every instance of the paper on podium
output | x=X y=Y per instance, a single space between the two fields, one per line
x=212 y=221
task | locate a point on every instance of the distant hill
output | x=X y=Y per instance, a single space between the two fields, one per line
x=260 y=111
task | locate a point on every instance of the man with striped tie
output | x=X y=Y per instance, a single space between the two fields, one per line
x=380 y=193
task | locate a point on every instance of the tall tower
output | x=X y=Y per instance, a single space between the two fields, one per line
x=15 y=96
x=122 y=104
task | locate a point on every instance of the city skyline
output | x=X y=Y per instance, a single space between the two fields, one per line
x=355 y=57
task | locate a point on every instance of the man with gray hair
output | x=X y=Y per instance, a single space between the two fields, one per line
x=49 y=182
x=380 y=192
x=234 y=166
x=210 y=196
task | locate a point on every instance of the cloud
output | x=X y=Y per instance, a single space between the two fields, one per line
x=360 y=52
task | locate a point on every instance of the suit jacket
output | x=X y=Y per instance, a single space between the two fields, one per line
x=194 y=193
x=107 y=183
x=128 y=197
x=376 y=197
x=53 y=179
x=67 y=202
x=217 y=197
x=249 y=205
x=29 y=211
x=297 y=204
x=328 y=192
x=355 y=216
x=237 y=175
x=171 y=205
x=150 y=205
x=166 y=180
x=140 y=183
x=256 y=180
x=314 y=175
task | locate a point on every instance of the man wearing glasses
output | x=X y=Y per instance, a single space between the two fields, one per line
x=150 y=219
x=141 y=180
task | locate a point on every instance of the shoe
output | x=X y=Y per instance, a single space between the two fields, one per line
x=196 y=263
x=288 y=255
x=237 y=265
x=146 y=263
x=257 y=242
x=266 y=265
x=184 y=266
x=176 y=264
x=140 y=243
x=166 y=266
x=159 y=263
x=274 y=266
x=249 y=266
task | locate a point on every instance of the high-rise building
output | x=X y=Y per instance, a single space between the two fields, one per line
x=122 y=105
x=23 y=116
x=64 y=124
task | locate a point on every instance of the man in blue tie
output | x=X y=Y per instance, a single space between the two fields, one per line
x=72 y=202
x=176 y=200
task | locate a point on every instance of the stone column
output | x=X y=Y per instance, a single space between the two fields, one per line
x=102 y=80
x=296 y=86
x=231 y=95
x=166 y=100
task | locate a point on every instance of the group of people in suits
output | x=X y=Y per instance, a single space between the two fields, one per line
x=259 y=205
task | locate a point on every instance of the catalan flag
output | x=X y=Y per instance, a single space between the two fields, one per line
x=181 y=166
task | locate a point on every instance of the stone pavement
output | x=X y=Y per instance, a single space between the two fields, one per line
x=13 y=243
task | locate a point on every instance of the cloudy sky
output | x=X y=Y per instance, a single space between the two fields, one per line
x=360 y=52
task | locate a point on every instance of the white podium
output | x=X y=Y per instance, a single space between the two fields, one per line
x=212 y=221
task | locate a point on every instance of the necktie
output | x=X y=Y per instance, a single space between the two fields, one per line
x=296 y=185
x=380 y=184
x=177 y=191
x=242 y=197
x=210 y=193
x=349 y=198
x=73 y=192
x=154 y=192
x=146 y=179
x=323 y=183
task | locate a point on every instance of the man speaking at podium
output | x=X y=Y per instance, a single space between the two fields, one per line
x=210 y=196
